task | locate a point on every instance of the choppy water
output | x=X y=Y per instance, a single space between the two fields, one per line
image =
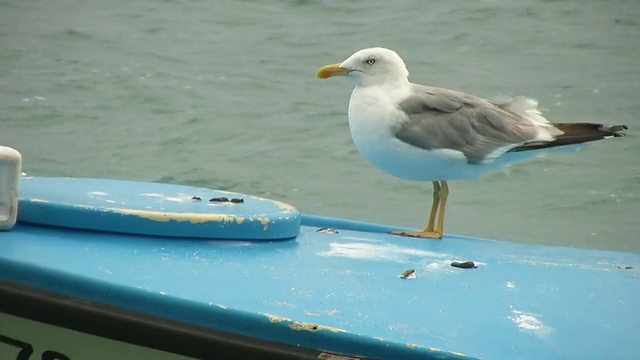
x=222 y=94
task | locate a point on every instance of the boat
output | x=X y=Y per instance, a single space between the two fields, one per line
x=117 y=269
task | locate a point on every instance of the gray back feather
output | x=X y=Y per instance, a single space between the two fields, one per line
x=445 y=119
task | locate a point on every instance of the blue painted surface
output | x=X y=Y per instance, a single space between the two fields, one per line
x=521 y=302
x=135 y=207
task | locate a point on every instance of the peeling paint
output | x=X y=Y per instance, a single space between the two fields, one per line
x=286 y=208
x=265 y=222
x=193 y=218
x=276 y=319
x=530 y=323
x=221 y=307
x=307 y=312
x=304 y=326
x=327 y=356
x=39 y=200
x=411 y=346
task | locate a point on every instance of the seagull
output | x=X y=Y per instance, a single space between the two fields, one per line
x=424 y=133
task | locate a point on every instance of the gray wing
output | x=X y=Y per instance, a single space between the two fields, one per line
x=445 y=119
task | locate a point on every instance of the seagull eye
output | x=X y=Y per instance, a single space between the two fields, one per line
x=370 y=61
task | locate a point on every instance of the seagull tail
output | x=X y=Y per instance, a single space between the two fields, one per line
x=576 y=133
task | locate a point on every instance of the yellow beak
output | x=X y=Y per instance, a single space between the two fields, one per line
x=331 y=70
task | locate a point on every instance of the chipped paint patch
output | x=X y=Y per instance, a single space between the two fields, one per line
x=530 y=323
x=275 y=318
x=265 y=222
x=193 y=218
x=511 y=284
x=286 y=208
x=411 y=346
x=379 y=338
x=305 y=326
x=221 y=307
x=330 y=312
x=307 y=312
x=39 y=200
x=327 y=356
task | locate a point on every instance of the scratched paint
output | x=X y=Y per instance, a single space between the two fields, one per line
x=39 y=200
x=98 y=193
x=305 y=326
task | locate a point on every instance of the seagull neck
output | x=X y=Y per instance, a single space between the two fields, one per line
x=390 y=84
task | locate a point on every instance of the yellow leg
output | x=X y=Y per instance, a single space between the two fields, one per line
x=440 y=194
x=444 y=194
x=434 y=207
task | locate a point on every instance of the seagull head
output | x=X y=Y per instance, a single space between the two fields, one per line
x=369 y=67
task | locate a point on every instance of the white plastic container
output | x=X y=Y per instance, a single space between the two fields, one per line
x=10 y=167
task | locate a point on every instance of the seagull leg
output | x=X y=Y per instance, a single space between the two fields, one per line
x=429 y=231
x=444 y=194
x=434 y=207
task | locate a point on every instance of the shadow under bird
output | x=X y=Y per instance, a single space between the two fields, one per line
x=425 y=133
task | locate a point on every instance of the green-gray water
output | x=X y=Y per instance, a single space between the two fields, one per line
x=222 y=94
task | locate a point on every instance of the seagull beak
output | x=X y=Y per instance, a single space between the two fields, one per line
x=328 y=71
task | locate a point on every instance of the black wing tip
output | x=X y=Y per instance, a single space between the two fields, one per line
x=615 y=130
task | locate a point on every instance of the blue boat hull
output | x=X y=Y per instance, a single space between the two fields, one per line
x=337 y=288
